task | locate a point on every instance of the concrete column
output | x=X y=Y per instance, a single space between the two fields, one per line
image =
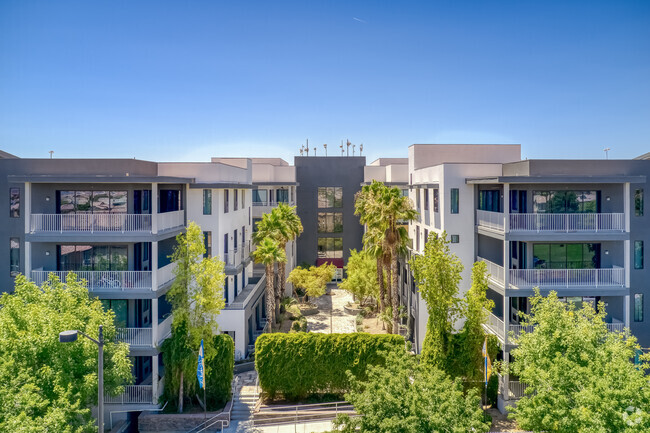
x=154 y=321
x=27 y=206
x=506 y=378
x=626 y=312
x=154 y=208
x=28 y=260
x=627 y=205
x=154 y=265
x=154 y=377
x=506 y=207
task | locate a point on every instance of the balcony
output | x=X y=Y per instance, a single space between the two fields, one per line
x=272 y=203
x=513 y=390
x=112 y=280
x=138 y=338
x=496 y=272
x=104 y=223
x=552 y=223
x=133 y=394
x=255 y=286
x=559 y=278
x=237 y=255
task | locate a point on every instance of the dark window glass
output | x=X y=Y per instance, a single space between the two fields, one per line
x=259 y=195
x=436 y=199
x=120 y=308
x=330 y=248
x=236 y=201
x=638 y=307
x=330 y=222
x=638 y=254
x=282 y=195
x=638 y=202
x=454 y=200
x=118 y=202
x=207 y=202
x=226 y=199
x=566 y=201
x=330 y=197
x=14 y=202
x=426 y=199
x=225 y=290
x=455 y=239
x=566 y=256
x=207 y=243
x=92 y=258
x=490 y=200
x=255 y=221
x=14 y=256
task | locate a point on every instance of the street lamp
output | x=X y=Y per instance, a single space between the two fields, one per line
x=71 y=336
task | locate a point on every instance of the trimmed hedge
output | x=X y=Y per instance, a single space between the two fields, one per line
x=220 y=371
x=297 y=365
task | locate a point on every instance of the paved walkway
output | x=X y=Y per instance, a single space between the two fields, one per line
x=331 y=317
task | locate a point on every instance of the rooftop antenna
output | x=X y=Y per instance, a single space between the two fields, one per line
x=341 y=146
x=314 y=151
x=348 y=144
x=325 y=146
x=360 y=149
x=606 y=150
x=302 y=150
x=51 y=153
x=353 y=146
x=307 y=150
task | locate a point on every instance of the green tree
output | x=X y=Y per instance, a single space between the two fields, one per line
x=196 y=298
x=405 y=396
x=268 y=252
x=361 y=278
x=46 y=386
x=313 y=280
x=437 y=274
x=580 y=377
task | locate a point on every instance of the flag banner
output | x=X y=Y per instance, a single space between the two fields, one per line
x=487 y=363
x=200 y=369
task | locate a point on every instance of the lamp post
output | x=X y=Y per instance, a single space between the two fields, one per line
x=71 y=336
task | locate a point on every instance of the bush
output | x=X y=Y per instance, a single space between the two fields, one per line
x=297 y=365
x=299 y=325
x=493 y=389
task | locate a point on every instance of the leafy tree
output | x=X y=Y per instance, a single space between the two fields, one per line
x=361 y=278
x=313 y=280
x=405 y=396
x=46 y=386
x=580 y=377
x=437 y=273
x=268 y=252
x=197 y=299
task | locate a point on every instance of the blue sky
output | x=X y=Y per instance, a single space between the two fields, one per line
x=186 y=80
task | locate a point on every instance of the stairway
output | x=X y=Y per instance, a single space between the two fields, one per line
x=244 y=403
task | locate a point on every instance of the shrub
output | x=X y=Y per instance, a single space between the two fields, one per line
x=297 y=365
x=299 y=325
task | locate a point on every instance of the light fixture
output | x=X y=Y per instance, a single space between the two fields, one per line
x=47 y=253
x=47 y=198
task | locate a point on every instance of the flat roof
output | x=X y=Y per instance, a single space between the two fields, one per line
x=98 y=178
x=556 y=179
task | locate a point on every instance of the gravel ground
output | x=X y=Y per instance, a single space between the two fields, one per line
x=330 y=310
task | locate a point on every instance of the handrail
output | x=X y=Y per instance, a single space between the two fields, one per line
x=608 y=277
x=102 y=280
x=567 y=222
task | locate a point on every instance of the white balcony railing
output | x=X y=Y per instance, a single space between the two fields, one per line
x=170 y=220
x=513 y=390
x=133 y=394
x=568 y=222
x=165 y=328
x=490 y=220
x=272 y=203
x=98 y=223
x=606 y=277
x=494 y=324
x=166 y=274
x=102 y=280
x=237 y=255
x=135 y=337
x=496 y=272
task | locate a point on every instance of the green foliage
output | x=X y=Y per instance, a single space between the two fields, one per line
x=299 y=325
x=313 y=280
x=580 y=377
x=47 y=386
x=219 y=362
x=493 y=389
x=268 y=252
x=405 y=396
x=361 y=279
x=196 y=297
x=296 y=365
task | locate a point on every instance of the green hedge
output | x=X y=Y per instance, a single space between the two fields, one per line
x=297 y=365
x=220 y=371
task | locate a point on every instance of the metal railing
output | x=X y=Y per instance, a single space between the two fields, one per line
x=102 y=280
x=496 y=272
x=514 y=389
x=273 y=203
x=567 y=222
x=133 y=394
x=494 y=324
x=491 y=220
x=615 y=326
x=96 y=222
x=240 y=305
x=604 y=277
x=279 y=415
x=135 y=336
x=170 y=220
x=166 y=274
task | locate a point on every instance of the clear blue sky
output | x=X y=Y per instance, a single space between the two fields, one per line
x=186 y=80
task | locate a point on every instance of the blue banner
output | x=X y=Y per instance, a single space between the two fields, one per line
x=200 y=369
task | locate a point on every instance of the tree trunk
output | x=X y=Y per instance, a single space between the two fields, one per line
x=278 y=300
x=270 y=296
x=394 y=290
x=389 y=294
x=180 y=394
x=380 y=281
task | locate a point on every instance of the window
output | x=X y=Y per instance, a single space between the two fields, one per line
x=226 y=199
x=426 y=236
x=14 y=256
x=207 y=243
x=426 y=200
x=435 y=200
x=92 y=258
x=454 y=200
x=255 y=221
x=259 y=196
x=84 y=202
x=330 y=248
x=638 y=202
x=282 y=195
x=417 y=199
x=405 y=193
x=455 y=239
x=207 y=202
x=638 y=254
x=566 y=201
x=225 y=290
x=120 y=308
x=489 y=200
x=236 y=205
x=330 y=197
x=566 y=256
x=638 y=307
x=330 y=222
x=14 y=202
x=417 y=238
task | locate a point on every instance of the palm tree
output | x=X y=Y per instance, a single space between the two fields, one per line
x=293 y=229
x=268 y=252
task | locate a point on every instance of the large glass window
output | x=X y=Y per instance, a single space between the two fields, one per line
x=14 y=256
x=638 y=307
x=566 y=256
x=436 y=199
x=638 y=202
x=236 y=204
x=489 y=200
x=14 y=202
x=260 y=195
x=426 y=199
x=638 y=254
x=282 y=195
x=566 y=201
x=330 y=197
x=207 y=202
x=454 y=200
x=92 y=258
x=120 y=308
x=417 y=199
x=207 y=243
x=330 y=222
x=255 y=221
x=226 y=199
x=99 y=202
x=330 y=248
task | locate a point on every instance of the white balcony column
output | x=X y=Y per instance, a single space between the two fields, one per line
x=154 y=265
x=506 y=378
x=27 y=208
x=154 y=378
x=506 y=207
x=28 y=260
x=627 y=205
x=626 y=312
x=154 y=322
x=154 y=208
